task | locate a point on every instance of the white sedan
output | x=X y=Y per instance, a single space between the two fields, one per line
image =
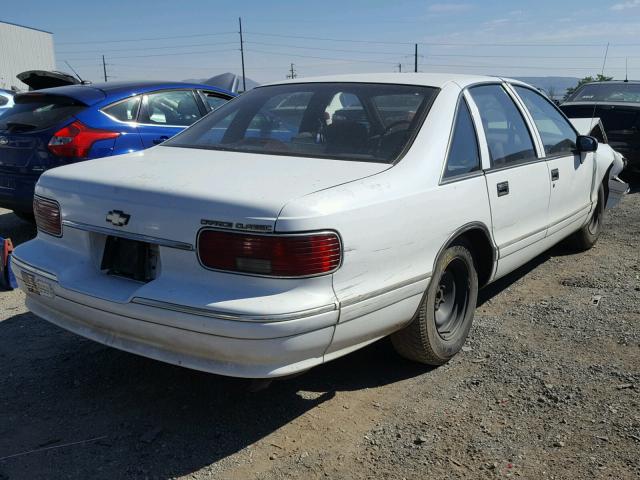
x=307 y=219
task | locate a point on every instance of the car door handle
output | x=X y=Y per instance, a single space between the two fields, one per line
x=503 y=188
x=555 y=174
x=157 y=141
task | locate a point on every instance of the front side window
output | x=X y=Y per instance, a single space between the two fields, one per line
x=349 y=121
x=508 y=137
x=463 y=155
x=125 y=111
x=558 y=136
x=176 y=108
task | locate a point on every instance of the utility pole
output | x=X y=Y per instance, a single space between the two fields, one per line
x=415 y=57
x=293 y=73
x=244 y=82
x=104 y=68
x=400 y=67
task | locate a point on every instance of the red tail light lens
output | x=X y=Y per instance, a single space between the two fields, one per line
x=47 y=213
x=275 y=255
x=76 y=140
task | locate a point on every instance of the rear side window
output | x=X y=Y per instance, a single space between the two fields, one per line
x=214 y=100
x=558 y=136
x=463 y=154
x=39 y=111
x=125 y=111
x=172 y=108
x=508 y=137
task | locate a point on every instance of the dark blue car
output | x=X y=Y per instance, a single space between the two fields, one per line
x=57 y=126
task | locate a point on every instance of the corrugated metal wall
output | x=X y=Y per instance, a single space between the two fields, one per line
x=23 y=49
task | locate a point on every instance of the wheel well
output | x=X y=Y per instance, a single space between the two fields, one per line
x=605 y=184
x=482 y=251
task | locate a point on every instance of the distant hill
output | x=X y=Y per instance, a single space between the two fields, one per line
x=552 y=85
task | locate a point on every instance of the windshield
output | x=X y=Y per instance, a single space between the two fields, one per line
x=608 y=92
x=35 y=112
x=349 y=121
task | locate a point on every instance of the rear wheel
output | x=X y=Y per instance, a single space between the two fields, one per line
x=587 y=236
x=442 y=322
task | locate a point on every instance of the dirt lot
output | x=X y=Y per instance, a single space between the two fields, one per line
x=548 y=386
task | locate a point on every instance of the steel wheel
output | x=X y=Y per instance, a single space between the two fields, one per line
x=452 y=299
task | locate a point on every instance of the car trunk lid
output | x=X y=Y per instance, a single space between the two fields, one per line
x=25 y=130
x=171 y=192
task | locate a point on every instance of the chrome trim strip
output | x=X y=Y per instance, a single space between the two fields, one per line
x=205 y=312
x=129 y=235
x=382 y=291
x=25 y=266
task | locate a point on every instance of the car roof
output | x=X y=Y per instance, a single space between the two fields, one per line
x=114 y=91
x=617 y=82
x=427 y=79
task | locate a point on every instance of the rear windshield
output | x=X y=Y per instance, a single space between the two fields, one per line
x=348 y=121
x=36 y=112
x=608 y=92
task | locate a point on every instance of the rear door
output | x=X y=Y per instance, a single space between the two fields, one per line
x=570 y=173
x=166 y=113
x=517 y=178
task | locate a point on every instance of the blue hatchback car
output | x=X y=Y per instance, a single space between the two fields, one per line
x=57 y=126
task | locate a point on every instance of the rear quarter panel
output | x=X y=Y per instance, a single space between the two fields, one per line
x=393 y=224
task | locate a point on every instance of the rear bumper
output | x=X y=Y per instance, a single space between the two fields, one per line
x=216 y=344
x=16 y=191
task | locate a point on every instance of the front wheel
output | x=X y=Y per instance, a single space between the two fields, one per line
x=443 y=320
x=587 y=236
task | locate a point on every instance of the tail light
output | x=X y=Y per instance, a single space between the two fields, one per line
x=300 y=255
x=75 y=140
x=47 y=214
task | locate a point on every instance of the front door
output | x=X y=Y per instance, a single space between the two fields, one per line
x=570 y=173
x=517 y=179
x=164 y=114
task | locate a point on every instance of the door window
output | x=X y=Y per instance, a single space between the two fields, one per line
x=558 y=136
x=463 y=154
x=508 y=137
x=214 y=100
x=125 y=111
x=175 y=108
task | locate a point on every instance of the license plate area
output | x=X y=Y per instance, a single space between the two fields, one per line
x=130 y=259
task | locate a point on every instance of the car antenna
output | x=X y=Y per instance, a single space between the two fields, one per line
x=74 y=71
x=604 y=62
x=626 y=69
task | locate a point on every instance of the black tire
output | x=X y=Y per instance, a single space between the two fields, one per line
x=25 y=216
x=587 y=236
x=443 y=320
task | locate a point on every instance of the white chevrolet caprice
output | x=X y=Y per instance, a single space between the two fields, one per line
x=304 y=220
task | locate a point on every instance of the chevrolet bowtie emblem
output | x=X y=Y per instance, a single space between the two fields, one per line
x=118 y=218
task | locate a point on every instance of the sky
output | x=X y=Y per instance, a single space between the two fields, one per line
x=190 y=39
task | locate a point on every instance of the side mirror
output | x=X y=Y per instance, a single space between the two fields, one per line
x=585 y=143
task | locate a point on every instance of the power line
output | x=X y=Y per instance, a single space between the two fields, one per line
x=150 y=38
x=144 y=48
x=366 y=52
x=323 y=58
x=161 y=54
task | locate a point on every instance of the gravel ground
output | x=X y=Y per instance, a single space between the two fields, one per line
x=548 y=386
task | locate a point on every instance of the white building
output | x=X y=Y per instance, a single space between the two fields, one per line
x=21 y=49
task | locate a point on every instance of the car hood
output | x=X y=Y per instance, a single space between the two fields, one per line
x=170 y=191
